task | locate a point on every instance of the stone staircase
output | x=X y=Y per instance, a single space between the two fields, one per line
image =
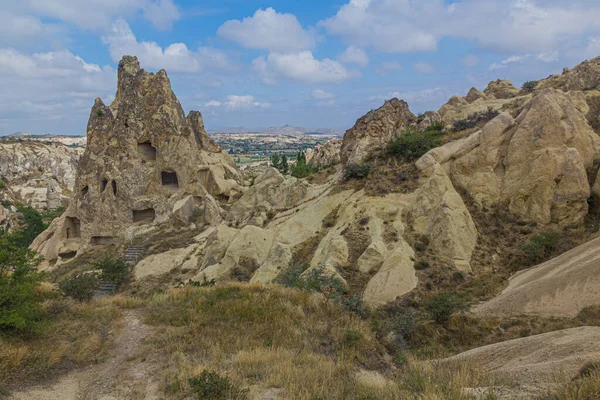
x=134 y=254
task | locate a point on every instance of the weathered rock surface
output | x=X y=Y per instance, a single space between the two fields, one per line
x=327 y=154
x=535 y=363
x=561 y=287
x=373 y=132
x=143 y=156
x=474 y=94
x=41 y=175
x=536 y=162
x=501 y=89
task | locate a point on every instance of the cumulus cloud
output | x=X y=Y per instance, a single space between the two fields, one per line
x=518 y=26
x=321 y=94
x=51 y=91
x=269 y=30
x=94 y=14
x=174 y=58
x=423 y=68
x=354 y=55
x=300 y=66
x=236 y=102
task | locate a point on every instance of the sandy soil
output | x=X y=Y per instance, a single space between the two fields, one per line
x=560 y=287
x=118 y=378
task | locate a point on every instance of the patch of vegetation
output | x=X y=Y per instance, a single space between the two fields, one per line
x=422 y=264
x=409 y=146
x=99 y=113
x=356 y=171
x=475 y=119
x=113 y=269
x=302 y=169
x=280 y=162
x=541 y=247
x=2 y=185
x=80 y=287
x=529 y=85
x=316 y=280
x=212 y=386
x=443 y=305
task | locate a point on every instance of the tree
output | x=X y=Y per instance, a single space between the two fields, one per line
x=284 y=166
x=275 y=161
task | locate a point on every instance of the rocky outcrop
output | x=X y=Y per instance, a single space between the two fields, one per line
x=327 y=154
x=41 y=175
x=474 y=94
x=561 y=287
x=375 y=130
x=143 y=157
x=501 y=89
x=536 y=162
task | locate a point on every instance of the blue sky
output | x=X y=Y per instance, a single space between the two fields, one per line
x=318 y=64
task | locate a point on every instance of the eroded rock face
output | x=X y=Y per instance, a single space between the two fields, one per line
x=501 y=89
x=326 y=155
x=373 y=132
x=143 y=157
x=536 y=163
x=41 y=175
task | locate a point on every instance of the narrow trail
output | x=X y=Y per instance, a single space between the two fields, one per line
x=124 y=374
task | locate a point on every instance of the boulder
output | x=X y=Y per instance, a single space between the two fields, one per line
x=474 y=94
x=212 y=211
x=375 y=130
x=326 y=155
x=159 y=264
x=184 y=209
x=395 y=278
x=372 y=258
x=501 y=89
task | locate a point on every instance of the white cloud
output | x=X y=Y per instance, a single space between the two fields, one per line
x=593 y=48
x=42 y=89
x=95 y=14
x=321 y=94
x=174 y=58
x=354 y=55
x=162 y=13
x=469 y=60
x=544 y=57
x=387 y=67
x=269 y=30
x=423 y=68
x=549 y=57
x=300 y=67
x=236 y=102
x=519 y=26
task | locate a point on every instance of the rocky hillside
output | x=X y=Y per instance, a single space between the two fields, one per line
x=425 y=216
x=38 y=174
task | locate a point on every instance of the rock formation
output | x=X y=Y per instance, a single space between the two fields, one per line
x=38 y=174
x=501 y=89
x=373 y=132
x=327 y=154
x=143 y=157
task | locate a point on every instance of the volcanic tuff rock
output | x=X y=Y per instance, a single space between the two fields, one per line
x=38 y=174
x=375 y=130
x=327 y=154
x=143 y=156
x=501 y=89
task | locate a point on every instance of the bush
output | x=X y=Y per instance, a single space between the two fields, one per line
x=421 y=265
x=475 y=119
x=412 y=145
x=114 y=270
x=354 y=304
x=529 y=85
x=19 y=297
x=317 y=280
x=355 y=171
x=2 y=185
x=541 y=247
x=212 y=386
x=441 y=306
x=80 y=287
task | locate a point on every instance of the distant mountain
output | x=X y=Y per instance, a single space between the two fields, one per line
x=282 y=130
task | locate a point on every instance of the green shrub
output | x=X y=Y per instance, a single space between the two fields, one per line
x=475 y=119
x=2 y=185
x=317 y=280
x=351 y=338
x=114 y=270
x=354 y=304
x=99 y=113
x=212 y=386
x=356 y=171
x=19 y=298
x=412 y=145
x=80 y=287
x=421 y=265
x=442 y=305
x=529 y=85
x=541 y=247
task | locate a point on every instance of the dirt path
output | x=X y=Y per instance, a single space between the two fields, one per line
x=123 y=376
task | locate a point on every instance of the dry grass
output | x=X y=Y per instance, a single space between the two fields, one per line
x=270 y=337
x=75 y=334
x=582 y=388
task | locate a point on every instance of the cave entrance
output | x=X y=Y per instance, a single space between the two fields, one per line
x=144 y=215
x=102 y=240
x=114 y=187
x=103 y=185
x=72 y=227
x=169 y=179
x=146 y=151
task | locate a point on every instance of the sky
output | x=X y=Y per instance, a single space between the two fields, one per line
x=261 y=63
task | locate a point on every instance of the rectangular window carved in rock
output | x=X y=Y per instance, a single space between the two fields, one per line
x=146 y=151
x=169 y=179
